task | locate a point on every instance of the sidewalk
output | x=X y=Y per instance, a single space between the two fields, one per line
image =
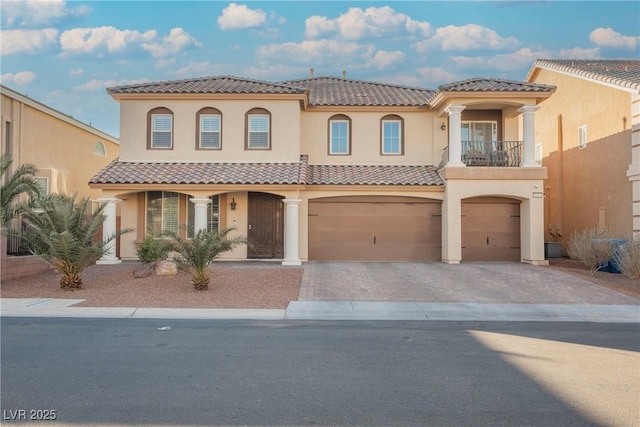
x=339 y=310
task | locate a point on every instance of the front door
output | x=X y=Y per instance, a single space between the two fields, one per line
x=266 y=225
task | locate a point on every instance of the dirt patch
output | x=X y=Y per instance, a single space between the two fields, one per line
x=245 y=285
x=617 y=282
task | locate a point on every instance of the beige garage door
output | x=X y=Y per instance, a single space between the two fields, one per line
x=490 y=229
x=374 y=229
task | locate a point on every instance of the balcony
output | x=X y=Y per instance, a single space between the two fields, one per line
x=496 y=153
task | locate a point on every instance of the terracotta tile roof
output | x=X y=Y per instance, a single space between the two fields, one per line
x=294 y=173
x=118 y=172
x=334 y=91
x=494 y=85
x=620 y=72
x=373 y=175
x=220 y=84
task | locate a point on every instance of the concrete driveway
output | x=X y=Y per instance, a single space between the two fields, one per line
x=486 y=283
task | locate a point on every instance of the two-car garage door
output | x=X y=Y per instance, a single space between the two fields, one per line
x=376 y=228
x=389 y=228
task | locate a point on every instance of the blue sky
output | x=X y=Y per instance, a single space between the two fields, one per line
x=66 y=53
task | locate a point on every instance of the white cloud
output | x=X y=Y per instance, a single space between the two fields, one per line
x=385 y=59
x=316 y=52
x=356 y=24
x=27 y=41
x=239 y=16
x=76 y=72
x=38 y=13
x=436 y=75
x=177 y=40
x=21 y=78
x=95 y=84
x=607 y=37
x=96 y=39
x=466 y=37
x=202 y=69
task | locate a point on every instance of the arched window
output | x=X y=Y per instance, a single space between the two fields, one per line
x=339 y=135
x=392 y=135
x=209 y=129
x=99 y=149
x=258 y=129
x=160 y=129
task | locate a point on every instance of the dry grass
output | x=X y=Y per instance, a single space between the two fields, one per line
x=617 y=282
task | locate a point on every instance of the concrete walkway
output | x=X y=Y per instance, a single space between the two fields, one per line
x=399 y=291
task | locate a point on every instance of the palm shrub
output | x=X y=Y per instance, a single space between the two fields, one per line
x=63 y=232
x=195 y=255
x=22 y=180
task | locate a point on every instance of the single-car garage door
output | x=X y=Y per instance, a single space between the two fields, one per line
x=490 y=229
x=381 y=228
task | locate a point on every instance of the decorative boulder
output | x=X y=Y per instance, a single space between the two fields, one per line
x=144 y=270
x=166 y=268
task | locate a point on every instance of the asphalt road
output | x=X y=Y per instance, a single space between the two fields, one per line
x=297 y=373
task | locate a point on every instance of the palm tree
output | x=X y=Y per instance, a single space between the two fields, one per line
x=21 y=181
x=196 y=254
x=63 y=232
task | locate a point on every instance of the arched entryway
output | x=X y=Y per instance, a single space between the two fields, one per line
x=265 y=226
x=375 y=228
x=491 y=229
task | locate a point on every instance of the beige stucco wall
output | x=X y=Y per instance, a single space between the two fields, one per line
x=586 y=187
x=423 y=139
x=285 y=131
x=62 y=151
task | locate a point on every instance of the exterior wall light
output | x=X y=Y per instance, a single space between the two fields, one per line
x=233 y=204
x=443 y=126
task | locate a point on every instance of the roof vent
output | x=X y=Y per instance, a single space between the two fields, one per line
x=344 y=74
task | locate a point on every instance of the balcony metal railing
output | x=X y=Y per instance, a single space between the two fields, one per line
x=492 y=153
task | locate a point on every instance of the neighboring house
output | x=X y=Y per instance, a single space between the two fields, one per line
x=589 y=140
x=66 y=152
x=327 y=168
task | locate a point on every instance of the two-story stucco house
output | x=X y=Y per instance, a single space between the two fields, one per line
x=589 y=140
x=326 y=168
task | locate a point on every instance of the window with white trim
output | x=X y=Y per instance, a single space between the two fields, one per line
x=99 y=148
x=162 y=212
x=538 y=153
x=258 y=130
x=209 y=129
x=161 y=130
x=213 y=216
x=339 y=135
x=392 y=136
x=582 y=137
x=479 y=136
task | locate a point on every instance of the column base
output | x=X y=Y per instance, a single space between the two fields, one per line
x=451 y=261
x=108 y=261
x=536 y=262
x=291 y=262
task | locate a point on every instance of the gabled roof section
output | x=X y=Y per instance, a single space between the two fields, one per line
x=480 y=84
x=207 y=85
x=618 y=72
x=335 y=91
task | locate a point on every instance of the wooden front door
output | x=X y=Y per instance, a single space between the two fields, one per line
x=266 y=226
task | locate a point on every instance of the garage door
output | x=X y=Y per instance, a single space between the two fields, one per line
x=490 y=229
x=374 y=229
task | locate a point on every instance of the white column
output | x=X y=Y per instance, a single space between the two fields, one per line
x=529 y=135
x=200 y=213
x=455 y=134
x=109 y=229
x=291 y=232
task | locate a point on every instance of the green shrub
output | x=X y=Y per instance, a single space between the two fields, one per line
x=153 y=249
x=628 y=258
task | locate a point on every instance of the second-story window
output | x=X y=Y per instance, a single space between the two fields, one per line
x=258 y=132
x=160 y=128
x=209 y=129
x=392 y=135
x=339 y=135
